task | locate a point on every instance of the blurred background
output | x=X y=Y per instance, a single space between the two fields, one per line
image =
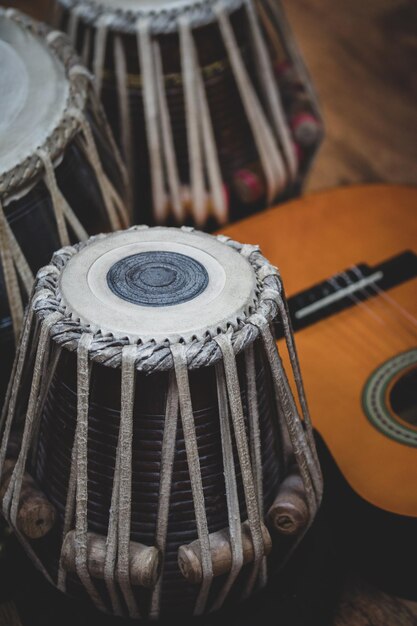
x=362 y=56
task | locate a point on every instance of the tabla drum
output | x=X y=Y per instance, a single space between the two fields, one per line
x=60 y=177
x=160 y=431
x=210 y=101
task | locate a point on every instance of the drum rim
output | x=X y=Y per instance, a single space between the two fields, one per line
x=156 y=355
x=22 y=176
x=227 y=292
x=197 y=12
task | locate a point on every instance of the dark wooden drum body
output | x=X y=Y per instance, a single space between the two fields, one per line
x=108 y=39
x=173 y=467
x=53 y=463
x=29 y=201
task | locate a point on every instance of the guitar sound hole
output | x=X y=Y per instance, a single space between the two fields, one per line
x=403 y=397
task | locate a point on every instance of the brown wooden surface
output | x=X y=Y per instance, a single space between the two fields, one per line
x=362 y=56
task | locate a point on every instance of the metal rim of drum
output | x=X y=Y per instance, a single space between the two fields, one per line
x=226 y=286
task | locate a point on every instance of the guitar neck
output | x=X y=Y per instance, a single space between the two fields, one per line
x=345 y=289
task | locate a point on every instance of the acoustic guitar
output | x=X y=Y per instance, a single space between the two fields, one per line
x=349 y=261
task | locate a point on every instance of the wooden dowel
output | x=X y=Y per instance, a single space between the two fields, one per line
x=36 y=515
x=189 y=556
x=289 y=512
x=144 y=561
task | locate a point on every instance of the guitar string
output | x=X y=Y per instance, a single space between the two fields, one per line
x=388 y=304
x=352 y=357
x=390 y=334
x=357 y=343
x=363 y=337
x=405 y=328
x=372 y=342
x=406 y=314
x=393 y=315
x=367 y=343
x=361 y=343
x=367 y=304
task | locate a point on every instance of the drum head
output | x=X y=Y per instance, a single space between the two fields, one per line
x=33 y=93
x=159 y=283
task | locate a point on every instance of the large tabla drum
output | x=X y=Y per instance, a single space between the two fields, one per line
x=60 y=178
x=159 y=424
x=210 y=101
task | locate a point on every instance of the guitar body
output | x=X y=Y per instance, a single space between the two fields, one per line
x=358 y=358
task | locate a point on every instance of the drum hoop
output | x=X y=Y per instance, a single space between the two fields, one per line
x=22 y=176
x=198 y=13
x=155 y=356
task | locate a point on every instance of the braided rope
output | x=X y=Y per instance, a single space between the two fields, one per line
x=167 y=467
x=10 y=276
x=162 y=21
x=81 y=492
x=124 y=504
x=238 y=421
x=192 y=107
x=153 y=131
x=256 y=456
x=154 y=356
x=232 y=496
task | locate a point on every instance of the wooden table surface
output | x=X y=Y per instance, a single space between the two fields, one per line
x=362 y=55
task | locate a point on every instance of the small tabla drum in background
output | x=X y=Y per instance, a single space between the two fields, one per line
x=160 y=424
x=60 y=177
x=210 y=101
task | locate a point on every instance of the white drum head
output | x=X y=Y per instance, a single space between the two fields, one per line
x=158 y=283
x=33 y=93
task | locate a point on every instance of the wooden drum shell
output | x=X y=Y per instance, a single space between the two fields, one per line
x=54 y=456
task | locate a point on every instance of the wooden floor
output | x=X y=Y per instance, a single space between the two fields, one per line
x=362 y=55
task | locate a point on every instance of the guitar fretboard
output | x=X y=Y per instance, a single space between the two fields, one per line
x=345 y=289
